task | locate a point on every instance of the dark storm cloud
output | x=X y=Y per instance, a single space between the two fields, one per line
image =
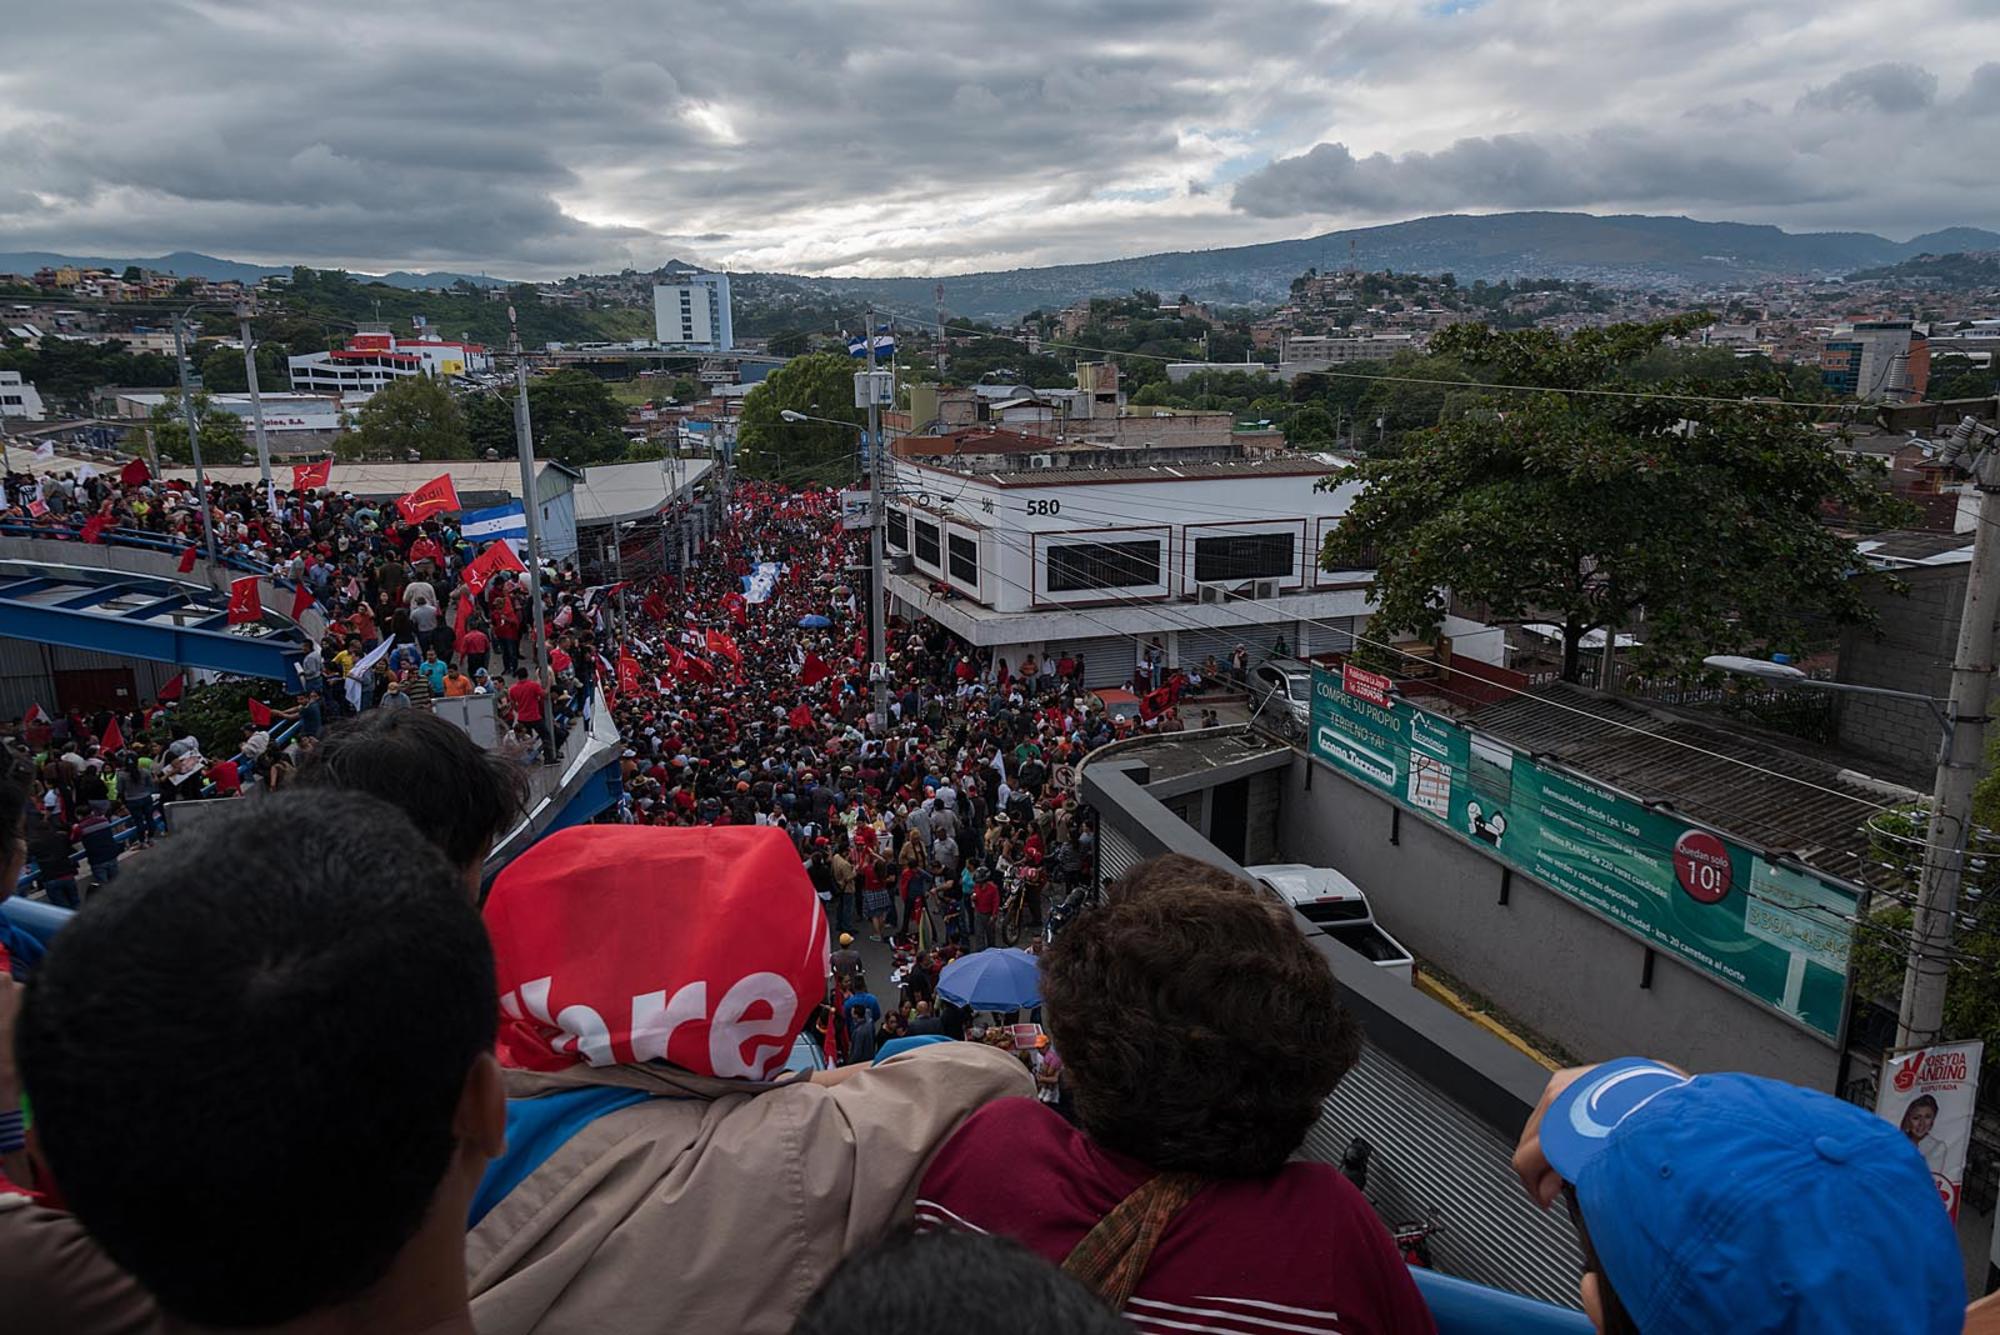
x=531 y=139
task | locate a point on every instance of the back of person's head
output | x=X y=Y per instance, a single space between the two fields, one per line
x=965 y=1283
x=461 y=796
x=1199 y=1027
x=248 y=1056
x=1739 y=1203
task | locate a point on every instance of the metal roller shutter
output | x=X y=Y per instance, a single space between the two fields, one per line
x=1198 y=644
x=1431 y=1152
x=1108 y=660
x=1116 y=855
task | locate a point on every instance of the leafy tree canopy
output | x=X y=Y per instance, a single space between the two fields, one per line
x=221 y=431
x=416 y=413
x=1581 y=509
x=821 y=384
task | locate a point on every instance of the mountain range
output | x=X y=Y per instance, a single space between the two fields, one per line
x=193 y=264
x=1630 y=250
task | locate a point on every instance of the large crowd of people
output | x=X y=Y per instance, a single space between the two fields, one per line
x=302 y=1067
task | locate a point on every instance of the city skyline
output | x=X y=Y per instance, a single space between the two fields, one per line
x=869 y=141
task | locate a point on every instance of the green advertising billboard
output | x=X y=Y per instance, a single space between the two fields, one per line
x=1774 y=931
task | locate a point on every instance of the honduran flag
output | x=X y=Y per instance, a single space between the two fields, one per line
x=884 y=341
x=507 y=521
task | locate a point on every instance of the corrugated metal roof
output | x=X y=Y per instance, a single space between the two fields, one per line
x=1178 y=472
x=1702 y=770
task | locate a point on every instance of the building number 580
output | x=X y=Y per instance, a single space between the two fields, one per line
x=1044 y=507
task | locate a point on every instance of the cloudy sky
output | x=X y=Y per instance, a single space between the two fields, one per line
x=535 y=139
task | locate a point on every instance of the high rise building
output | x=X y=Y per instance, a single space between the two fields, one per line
x=1876 y=359
x=694 y=313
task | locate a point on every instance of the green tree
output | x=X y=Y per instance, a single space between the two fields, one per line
x=1311 y=427
x=644 y=451
x=576 y=418
x=222 y=370
x=133 y=274
x=821 y=384
x=414 y=413
x=221 y=431
x=1580 y=509
x=489 y=420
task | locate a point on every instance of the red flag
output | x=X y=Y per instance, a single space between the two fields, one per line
x=244 y=602
x=463 y=618
x=1154 y=703
x=801 y=717
x=113 y=740
x=499 y=556
x=628 y=673
x=814 y=671
x=302 y=598
x=187 y=560
x=172 y=690
x=654 y=606
x=93 y=528
x=434 y=497
x=739 y=608
x=718 y=643
x=135 y=474
x=307 y=477
x=260 y=713
x=833 y=695
x=698 y=667
x=38 y=508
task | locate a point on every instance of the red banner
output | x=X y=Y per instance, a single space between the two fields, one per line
x=244 y=602
x=308 y=477
x=1364 y=685
x=721 y=644
x=814 y=671
x=436 y=496
x=187 y=560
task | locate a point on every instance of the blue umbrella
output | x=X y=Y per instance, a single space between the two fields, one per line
x=1009 y=979
x=814 y=621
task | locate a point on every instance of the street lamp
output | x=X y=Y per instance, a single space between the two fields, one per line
x=1767 y=670
x=878 y=630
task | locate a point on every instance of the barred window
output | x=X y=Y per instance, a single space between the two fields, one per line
x=899 y=530
x=964 y=559
x=1075 y=567
x=1245 y=556
x=926 y=550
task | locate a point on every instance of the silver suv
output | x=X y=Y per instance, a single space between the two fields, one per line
x=1281 y=695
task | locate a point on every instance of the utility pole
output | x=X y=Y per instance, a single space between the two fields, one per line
x=256 y=399
x=194 y=441
x=531 y=507
x=1945 y=841
x=878 y=518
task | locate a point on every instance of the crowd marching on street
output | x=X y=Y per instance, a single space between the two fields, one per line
x=594 y=1114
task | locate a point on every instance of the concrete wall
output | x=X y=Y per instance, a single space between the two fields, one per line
x=1910 y=649
x=1550 y=964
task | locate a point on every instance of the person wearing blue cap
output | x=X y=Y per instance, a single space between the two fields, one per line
x=1731 y=1202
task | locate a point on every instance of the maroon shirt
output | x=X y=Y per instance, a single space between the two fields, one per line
x=1303 y=1247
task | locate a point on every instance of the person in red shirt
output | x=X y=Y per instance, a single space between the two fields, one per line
x=985 y=907
x=228 y=780
x=1200 y=1032
x=527 y=698
x=475 y=646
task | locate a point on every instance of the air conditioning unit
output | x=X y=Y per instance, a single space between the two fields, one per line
x=1041 y=461
x=1211 y=593
x=901 y=563
x=1264 y=588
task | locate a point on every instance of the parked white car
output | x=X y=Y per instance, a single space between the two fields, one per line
x=1337 y=907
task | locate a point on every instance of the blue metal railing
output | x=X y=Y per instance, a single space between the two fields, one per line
x=127 y=537
x=1461 y=1307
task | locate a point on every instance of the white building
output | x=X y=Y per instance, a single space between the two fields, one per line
x=1302 y=354
x=18 y=398
x=694 y=314
x=373 y=359
x=1101 y=562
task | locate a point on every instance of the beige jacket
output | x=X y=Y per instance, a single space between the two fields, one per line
x=721 y=1206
